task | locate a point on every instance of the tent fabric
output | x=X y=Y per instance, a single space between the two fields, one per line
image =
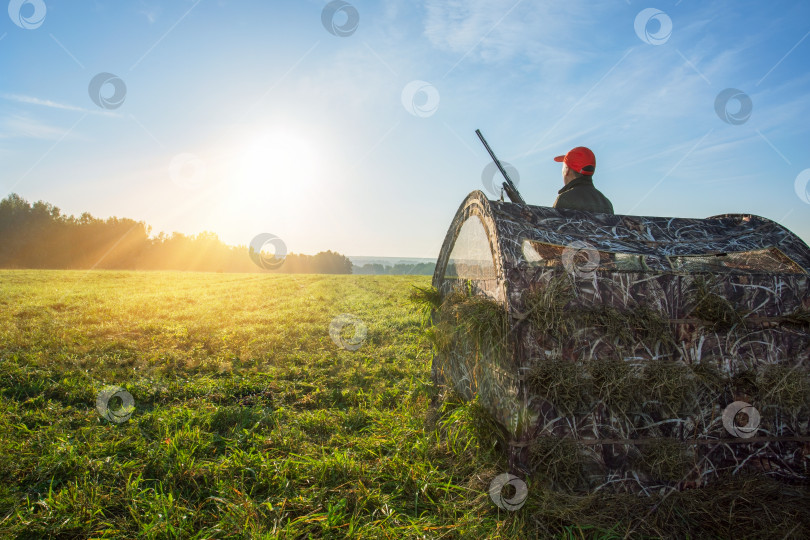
x=652 y=263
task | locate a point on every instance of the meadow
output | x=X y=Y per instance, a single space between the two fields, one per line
x=249 y=421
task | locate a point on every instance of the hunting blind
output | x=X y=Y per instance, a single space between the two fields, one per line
x=611 y=350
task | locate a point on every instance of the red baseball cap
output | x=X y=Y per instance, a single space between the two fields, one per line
x=579 y=159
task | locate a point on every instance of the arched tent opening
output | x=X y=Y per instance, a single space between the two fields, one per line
x=471 y=252
x=613 y=335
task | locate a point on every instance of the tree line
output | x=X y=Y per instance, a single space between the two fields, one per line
x=419 y=269
x=39 y=236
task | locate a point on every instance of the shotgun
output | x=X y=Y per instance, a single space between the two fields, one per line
x=508 y=186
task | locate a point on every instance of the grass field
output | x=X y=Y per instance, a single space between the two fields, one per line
x=251 y=422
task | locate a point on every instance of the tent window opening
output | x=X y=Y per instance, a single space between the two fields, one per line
x=471 y=257
x=760 y=260
x=539 y=254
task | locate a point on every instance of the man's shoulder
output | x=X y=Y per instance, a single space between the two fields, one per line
x=581 y=194
x=577 y=183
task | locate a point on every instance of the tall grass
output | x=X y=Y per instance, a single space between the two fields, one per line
x=250 y=422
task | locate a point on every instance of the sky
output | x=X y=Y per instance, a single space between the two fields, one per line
x=350 y=125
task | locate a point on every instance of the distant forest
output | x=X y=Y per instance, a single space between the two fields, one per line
x=421 y=269
x=39 y=236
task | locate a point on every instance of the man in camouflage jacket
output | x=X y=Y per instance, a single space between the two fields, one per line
x=578 y=193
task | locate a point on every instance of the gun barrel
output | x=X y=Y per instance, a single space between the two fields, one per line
x=509 y=187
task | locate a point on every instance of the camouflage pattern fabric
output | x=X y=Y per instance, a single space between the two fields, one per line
x=758 y=349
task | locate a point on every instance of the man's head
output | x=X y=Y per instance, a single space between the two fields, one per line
x=578 y=162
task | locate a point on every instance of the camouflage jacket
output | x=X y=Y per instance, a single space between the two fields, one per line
x=579 y=194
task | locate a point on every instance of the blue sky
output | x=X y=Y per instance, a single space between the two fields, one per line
x=243 y=117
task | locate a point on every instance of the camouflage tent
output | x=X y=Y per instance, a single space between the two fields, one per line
x=629 y=353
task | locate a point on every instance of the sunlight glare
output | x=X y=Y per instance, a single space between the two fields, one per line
x=279 y=166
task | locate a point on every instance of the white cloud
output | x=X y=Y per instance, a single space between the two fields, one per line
x=30 y=100
x=151 y=16
x=20 y=126
x=150 y=11
x=495 y=31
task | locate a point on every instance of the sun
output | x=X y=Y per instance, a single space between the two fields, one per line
x=271 y=180
x=277 y=164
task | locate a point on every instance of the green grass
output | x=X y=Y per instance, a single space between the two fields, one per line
x=250 y=422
